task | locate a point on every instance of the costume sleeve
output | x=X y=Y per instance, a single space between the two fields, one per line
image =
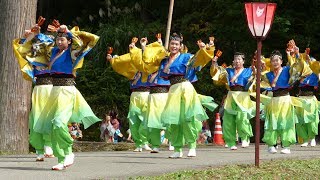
x=299 y=70
x=20 y=52
x=219 y=75
x=35 y=51
x=149 y=60
x=299 y=102
x=202 y=57
x=154 y=53
x=267 y=65
x=264 y=83
x=122 y=65
x=82 y=43
x=291 y=60
x=315 y=67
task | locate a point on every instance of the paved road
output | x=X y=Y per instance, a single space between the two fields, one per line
x=124 y=164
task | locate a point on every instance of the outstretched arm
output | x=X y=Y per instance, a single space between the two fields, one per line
x=148 y=61
x=82 y=43
x=34 y=47
x=205 y=53
x=218 y=73
x=123 y=65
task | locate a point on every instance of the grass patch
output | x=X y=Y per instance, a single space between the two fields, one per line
x=275 y=169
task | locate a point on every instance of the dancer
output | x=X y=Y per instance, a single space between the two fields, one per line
x=158 y=88
x=183 y=112
x=137 y=112
x=186 y=71
x=238 y=107
x=280 y=114
x=307 y=126
x=138 y=99
x=65 y=102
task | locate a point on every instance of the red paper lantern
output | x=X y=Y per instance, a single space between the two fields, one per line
x=260 y=17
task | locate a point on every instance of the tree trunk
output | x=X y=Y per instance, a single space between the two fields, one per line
x=15 y=92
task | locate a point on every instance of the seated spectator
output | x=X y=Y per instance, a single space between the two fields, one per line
x=106 y=130
x=205 y=135
x=117 y=136
x=75 y=131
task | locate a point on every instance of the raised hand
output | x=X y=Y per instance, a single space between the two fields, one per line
x=134 y=40
x=143 y=41
x=27 y=33
x=214 y=59
x=36 y=29
x=291 y=46
x=224 y=65
x=218 y=54
x=63 y=28
x=307 y=51
x=201 y=44
x=109 y=52
x=158 y=36
x=109 y=57
x=211 y=41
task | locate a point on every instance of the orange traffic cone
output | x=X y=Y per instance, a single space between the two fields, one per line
x=218 y=131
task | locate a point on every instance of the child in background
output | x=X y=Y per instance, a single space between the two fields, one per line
x=205 y=134
x=117 y=136
x=107 y=130
x=75 y=131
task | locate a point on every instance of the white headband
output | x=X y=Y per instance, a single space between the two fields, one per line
x=276 y=56
x=242 y=56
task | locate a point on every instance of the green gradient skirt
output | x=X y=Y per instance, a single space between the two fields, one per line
x=40 y=96
x=65 y=104
x=240 y=101
x=184 y=104
x=138 y=106
x=156 y=104
x=310 y=115
x=280 y=113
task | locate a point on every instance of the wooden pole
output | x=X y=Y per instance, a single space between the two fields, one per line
x=258 y=75
x=169 y=24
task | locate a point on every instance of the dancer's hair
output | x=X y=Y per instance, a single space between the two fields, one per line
x=276 y=54
x=239 y=54
x=176 y=37
x=113 y=114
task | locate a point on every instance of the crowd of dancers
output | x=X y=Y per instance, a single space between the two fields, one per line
x=162 y=94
